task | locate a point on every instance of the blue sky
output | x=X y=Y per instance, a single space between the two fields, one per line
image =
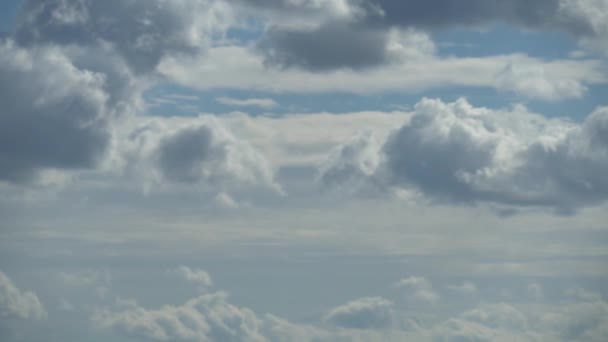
x=328 y=170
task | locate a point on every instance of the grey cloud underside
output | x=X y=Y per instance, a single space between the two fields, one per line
x=70 y=68
x=53 y=114
x=181 y=156
x=360 y=39
x=460 y=154
x=331 y=46
x=195 y=152
x=141 y=31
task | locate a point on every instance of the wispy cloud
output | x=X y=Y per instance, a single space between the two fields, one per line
x=251 y=102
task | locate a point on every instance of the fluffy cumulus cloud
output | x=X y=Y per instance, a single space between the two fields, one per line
x=208 y=317
x=458 y=153
x=196 y=276
x=194 y=151
x=211 y=317
x=15 y=303
x=363 y=313
x=349 y=166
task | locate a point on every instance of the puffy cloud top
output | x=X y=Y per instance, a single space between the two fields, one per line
x=455 y=152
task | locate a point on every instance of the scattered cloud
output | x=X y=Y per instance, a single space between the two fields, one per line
x=418 y=289
x=15 y=303
x=195 y=276
x=363 y=313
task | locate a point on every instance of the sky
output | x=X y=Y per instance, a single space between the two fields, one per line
x=303 y=170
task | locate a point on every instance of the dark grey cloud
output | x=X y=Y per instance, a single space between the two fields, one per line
x=358 y=39
x=142 y=31
x=331 y=46
x=71 y=67
x=182 y=157
x=438 y=14
x=53 y=115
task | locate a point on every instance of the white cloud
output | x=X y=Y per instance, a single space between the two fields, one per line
x=532 y=81
x=160 y=27
x=265 y=103
x=418 y=289
x=240 y=68
x=454 y=152
x=593 y=16
x=196 y=276
x=193 y=151
x=205 y=318
x=15 y=303
x=363 y=313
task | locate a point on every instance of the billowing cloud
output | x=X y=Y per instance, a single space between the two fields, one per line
x=205 y=318
x=363 y=313
x=350 y=166
x=54 y=114
x=15 y=303
x=195 y=151
x=142 y=32
x=458 y=153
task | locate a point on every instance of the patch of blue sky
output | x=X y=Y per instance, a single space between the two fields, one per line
x=504 y=39
x=248 y=31
x=174 y=100
x=8 y=12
